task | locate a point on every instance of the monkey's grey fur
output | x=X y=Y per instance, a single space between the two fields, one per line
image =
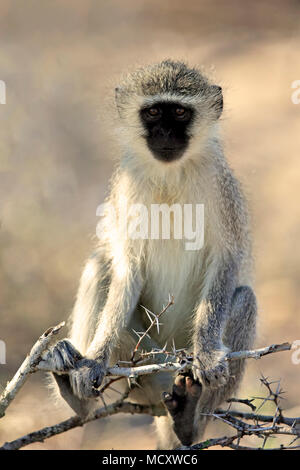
x=215 y=308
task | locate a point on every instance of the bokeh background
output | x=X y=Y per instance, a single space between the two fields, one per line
x=60 y=61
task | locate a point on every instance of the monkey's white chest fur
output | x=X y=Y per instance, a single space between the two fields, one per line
x=168 y=267
x=170 y=270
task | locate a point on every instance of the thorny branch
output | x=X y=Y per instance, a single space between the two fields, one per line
x=154 y=321
x=263 y=427
x=235 y=419
x=175 y=360
x=119 y=406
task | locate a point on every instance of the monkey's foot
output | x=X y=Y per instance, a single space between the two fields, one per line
x=181 y=405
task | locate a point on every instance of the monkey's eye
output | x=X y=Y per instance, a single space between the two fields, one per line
x=180 y=112
x=153 y=112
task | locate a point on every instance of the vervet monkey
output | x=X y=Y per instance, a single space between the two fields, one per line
x=171 y=153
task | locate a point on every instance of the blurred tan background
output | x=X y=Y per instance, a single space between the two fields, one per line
x=60 y=61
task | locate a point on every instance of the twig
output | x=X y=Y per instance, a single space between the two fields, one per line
x=262 y=418
x=224 y=441
x=28 y=367
x=258 y=353
x=154 y=320
x=134 y=372
x=245 y=401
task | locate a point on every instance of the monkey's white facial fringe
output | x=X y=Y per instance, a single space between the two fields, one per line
x=204 y=133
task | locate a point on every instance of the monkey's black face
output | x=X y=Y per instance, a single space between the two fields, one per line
x=167 y=127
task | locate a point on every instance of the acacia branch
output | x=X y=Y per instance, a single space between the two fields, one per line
x=262 y=418
x=227 y=416
x=183 y=361
x=258 y=353
x=183 y=364
x=119 y=406
x=239 y=422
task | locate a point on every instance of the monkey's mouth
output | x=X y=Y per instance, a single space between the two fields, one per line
x=167 y=154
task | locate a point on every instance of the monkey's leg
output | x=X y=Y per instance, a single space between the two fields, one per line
x=189 y=404
x=239 y=334
x=240 y=330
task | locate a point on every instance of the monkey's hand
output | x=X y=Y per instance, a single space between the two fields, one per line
x=211 y=368
x=86 y=377
x=61 y=358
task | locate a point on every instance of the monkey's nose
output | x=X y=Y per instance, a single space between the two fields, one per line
x=161 y=133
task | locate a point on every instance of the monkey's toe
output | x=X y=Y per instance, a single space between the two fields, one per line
x=169 y=401
x=193 y=387
x=175 y=400
x=186 y=392
x=179 y=387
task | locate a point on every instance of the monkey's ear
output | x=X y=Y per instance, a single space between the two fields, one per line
x=218 y=99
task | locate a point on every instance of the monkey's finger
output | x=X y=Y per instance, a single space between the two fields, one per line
x=95 y=392
x=66 y=354
x=96 y=375
x=72 y=351
x=81 y=386
x=60 y=358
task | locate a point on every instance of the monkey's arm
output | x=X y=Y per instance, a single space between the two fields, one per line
x=105 y=302
x=210 y=319
x=124 y=293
